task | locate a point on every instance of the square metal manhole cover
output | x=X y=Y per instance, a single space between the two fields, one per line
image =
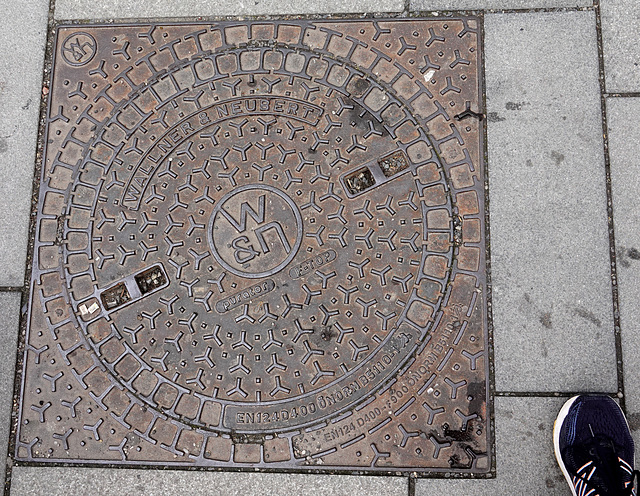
x=261 y=244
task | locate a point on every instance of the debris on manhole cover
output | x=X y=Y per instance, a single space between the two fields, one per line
x=261 y=244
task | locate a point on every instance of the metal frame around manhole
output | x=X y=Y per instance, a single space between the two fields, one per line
x=262 y=244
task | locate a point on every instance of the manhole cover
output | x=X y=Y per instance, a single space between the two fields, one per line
x=261 y=244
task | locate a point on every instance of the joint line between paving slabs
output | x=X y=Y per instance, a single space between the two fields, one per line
x=610 y=221
x=633 y=94
x=11 y=289
x=483 y=12
x=405 y=13
x=490 y=363
x=547 y=394
x=18 y=372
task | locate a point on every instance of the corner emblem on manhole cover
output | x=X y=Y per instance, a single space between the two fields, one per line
x=78 y=48
x=261 y=244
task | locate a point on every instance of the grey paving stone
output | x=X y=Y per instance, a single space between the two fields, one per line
x=9 y=316
x=620 y=26
x=550 y=269
x=120 y=9
x=525 y=463
x=36 y=481
x=623 y=116
x=22 y=41
x=431 y=5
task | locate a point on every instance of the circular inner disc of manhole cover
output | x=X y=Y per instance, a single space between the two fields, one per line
x=261 y=251
x=259 y=236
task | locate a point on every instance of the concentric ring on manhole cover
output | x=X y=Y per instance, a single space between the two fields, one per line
x=262 y=243
x=221 y=173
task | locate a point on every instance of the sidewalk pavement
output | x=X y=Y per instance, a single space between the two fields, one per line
x=563 y=127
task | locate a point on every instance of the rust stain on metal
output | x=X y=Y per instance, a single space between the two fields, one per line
x=261 y=244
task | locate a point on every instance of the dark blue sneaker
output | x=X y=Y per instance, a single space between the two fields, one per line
x=594 y=447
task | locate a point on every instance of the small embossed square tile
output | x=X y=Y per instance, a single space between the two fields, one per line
x=261 y=244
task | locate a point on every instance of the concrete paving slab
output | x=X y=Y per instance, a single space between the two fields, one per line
x=122 y=9
x=52 y=481
x=623 y=116
x=22 y=41
x=431 y=5
x=550 y=270
x=524 y=437
x=9 y=318
x=620 y=26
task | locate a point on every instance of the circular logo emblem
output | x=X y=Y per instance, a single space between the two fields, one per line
x=79 y=48
x=255 y=231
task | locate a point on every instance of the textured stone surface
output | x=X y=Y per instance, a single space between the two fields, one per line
x=120 y=9
x=22 y=40
x=524 y=436
x=623 y=115
x=552 y=294
x=620 y=26
x=9 y=315
x=37 y=481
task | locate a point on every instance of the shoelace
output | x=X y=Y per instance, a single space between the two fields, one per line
x=582 y=479
x=602 y=451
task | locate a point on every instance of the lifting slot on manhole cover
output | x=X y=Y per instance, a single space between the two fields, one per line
x=150 y=280
x=133 y=288
x=115 y=296
x=359 y=181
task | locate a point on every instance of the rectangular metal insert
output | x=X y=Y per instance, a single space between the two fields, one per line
x=260 y=244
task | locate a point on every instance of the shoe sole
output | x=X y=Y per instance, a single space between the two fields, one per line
x=557 y=425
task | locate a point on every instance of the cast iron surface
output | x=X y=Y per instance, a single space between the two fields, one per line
x=261 y=244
